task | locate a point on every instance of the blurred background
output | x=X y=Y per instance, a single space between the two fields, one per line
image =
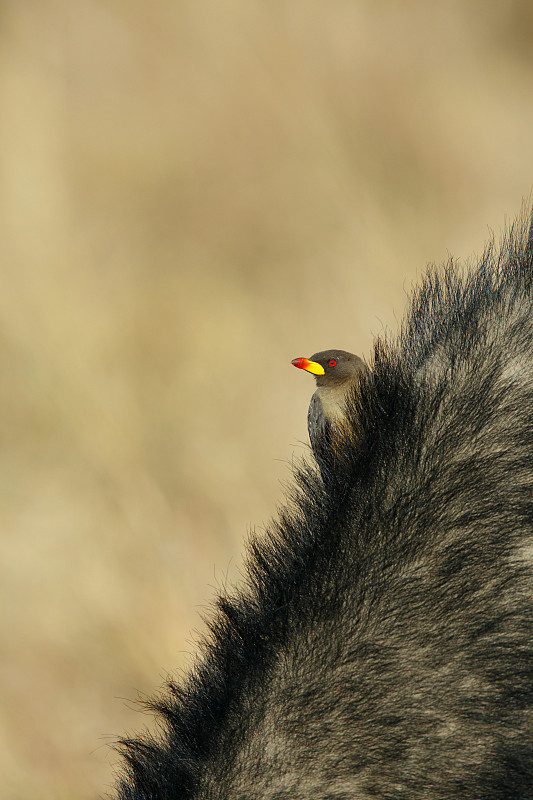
x=192 y=193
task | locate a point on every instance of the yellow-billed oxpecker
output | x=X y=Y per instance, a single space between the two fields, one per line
x=336 y=373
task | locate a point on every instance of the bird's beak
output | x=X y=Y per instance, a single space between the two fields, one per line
x=309 y=366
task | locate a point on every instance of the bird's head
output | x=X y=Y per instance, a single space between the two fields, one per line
x=332 y=367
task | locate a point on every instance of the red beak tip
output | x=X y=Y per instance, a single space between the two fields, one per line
x=299 y=362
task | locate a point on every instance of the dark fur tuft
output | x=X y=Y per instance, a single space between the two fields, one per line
x=382 y=646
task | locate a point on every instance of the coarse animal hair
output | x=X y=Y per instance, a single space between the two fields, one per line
x=382 y=643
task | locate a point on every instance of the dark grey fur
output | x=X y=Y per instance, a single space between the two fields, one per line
x=383 y=644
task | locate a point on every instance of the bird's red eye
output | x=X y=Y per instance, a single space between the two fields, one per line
x=332 y=362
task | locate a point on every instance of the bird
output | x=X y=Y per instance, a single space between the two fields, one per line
x=336 y=373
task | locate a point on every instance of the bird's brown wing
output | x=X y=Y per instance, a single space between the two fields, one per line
x=319 y=427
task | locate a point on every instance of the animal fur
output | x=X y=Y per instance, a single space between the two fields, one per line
x=381 y=646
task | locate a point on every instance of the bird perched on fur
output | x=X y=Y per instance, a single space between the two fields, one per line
x=336 y=373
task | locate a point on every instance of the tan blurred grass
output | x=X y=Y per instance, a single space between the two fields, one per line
x=192 y=194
